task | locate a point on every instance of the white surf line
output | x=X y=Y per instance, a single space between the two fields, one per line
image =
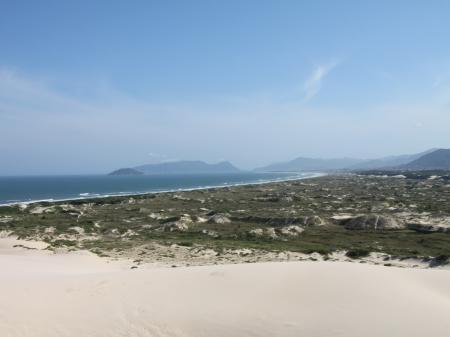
x=121 y=194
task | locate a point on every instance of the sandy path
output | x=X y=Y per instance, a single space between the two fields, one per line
x=46 y=295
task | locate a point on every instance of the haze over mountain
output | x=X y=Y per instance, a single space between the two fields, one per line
x=312 y=164
x=390 y=161
x=433 y=159
x=436 y=160
x=179 y=167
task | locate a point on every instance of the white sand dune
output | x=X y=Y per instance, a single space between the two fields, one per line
x=43 y=295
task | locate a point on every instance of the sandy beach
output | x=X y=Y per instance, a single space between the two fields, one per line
x=80 y=294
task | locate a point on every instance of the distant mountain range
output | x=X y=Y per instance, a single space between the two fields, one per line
x=179 y=167
x=389 y=162
x=434 y=159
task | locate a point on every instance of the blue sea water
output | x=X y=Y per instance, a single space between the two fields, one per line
x=38 y=188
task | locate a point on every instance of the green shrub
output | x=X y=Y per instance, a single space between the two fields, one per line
x=357 y=253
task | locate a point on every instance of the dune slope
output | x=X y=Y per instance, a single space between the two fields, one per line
x=82 y=295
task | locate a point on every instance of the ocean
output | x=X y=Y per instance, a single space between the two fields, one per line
x=53 y=188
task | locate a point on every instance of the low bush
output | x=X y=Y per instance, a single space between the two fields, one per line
x=357 y=253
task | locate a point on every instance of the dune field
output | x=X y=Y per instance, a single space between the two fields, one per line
x=80 y=294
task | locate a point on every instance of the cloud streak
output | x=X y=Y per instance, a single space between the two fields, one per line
x=313 y=84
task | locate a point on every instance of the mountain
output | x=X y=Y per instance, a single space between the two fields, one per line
x=316 y=164
x=311 y=164
x=180 y=167
x=436 y=160
x=389 y=162
x=126 y=171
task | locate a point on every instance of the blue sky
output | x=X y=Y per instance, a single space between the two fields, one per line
x=89 y=86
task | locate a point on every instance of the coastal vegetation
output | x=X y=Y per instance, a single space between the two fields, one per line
x=400 y=216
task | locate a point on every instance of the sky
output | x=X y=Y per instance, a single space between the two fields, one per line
x=91 y=86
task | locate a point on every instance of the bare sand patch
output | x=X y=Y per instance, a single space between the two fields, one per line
x=80 y=294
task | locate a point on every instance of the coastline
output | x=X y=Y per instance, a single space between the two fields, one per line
x=296 y=220
x=131 y=194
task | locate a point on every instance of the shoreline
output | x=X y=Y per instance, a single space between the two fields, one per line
x=324 y=218
x=131 y=194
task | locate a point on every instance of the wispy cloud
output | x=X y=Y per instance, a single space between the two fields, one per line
x=313 y=84
x=45 y=129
